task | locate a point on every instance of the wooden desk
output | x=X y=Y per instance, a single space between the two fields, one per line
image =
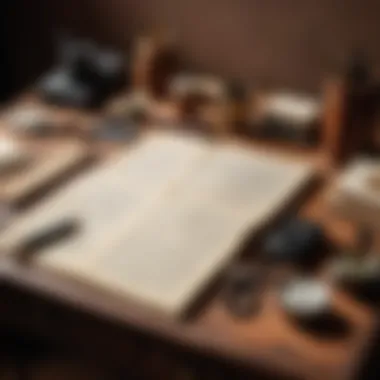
x=117 y=331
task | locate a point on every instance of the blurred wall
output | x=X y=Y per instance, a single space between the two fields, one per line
x=285 y=42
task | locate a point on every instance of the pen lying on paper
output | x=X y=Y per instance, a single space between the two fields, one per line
x=59 y=231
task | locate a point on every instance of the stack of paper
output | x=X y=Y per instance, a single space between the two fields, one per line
x=356 y=193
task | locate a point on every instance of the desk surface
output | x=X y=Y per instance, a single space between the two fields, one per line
x=268 y=341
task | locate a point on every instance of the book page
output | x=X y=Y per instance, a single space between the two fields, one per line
x=163 y=244
x=108 y=194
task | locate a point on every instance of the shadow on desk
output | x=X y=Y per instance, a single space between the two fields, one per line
x=370 y=370
x=24 y=357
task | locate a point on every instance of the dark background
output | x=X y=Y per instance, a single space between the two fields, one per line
x=282 y=42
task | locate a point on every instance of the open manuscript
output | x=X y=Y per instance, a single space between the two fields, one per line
x=164 y=217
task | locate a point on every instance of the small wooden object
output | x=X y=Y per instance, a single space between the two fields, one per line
x=153 y=62
x=349 y=114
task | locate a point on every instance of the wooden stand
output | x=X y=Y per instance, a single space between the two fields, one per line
x=349 y=114
x=154 y=61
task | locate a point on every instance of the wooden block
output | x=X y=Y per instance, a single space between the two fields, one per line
x=336 y=132
x=46 y=165
x=348 y=120
x=161 y=222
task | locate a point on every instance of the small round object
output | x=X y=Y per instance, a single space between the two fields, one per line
x=306 y=298
x=11 y=154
